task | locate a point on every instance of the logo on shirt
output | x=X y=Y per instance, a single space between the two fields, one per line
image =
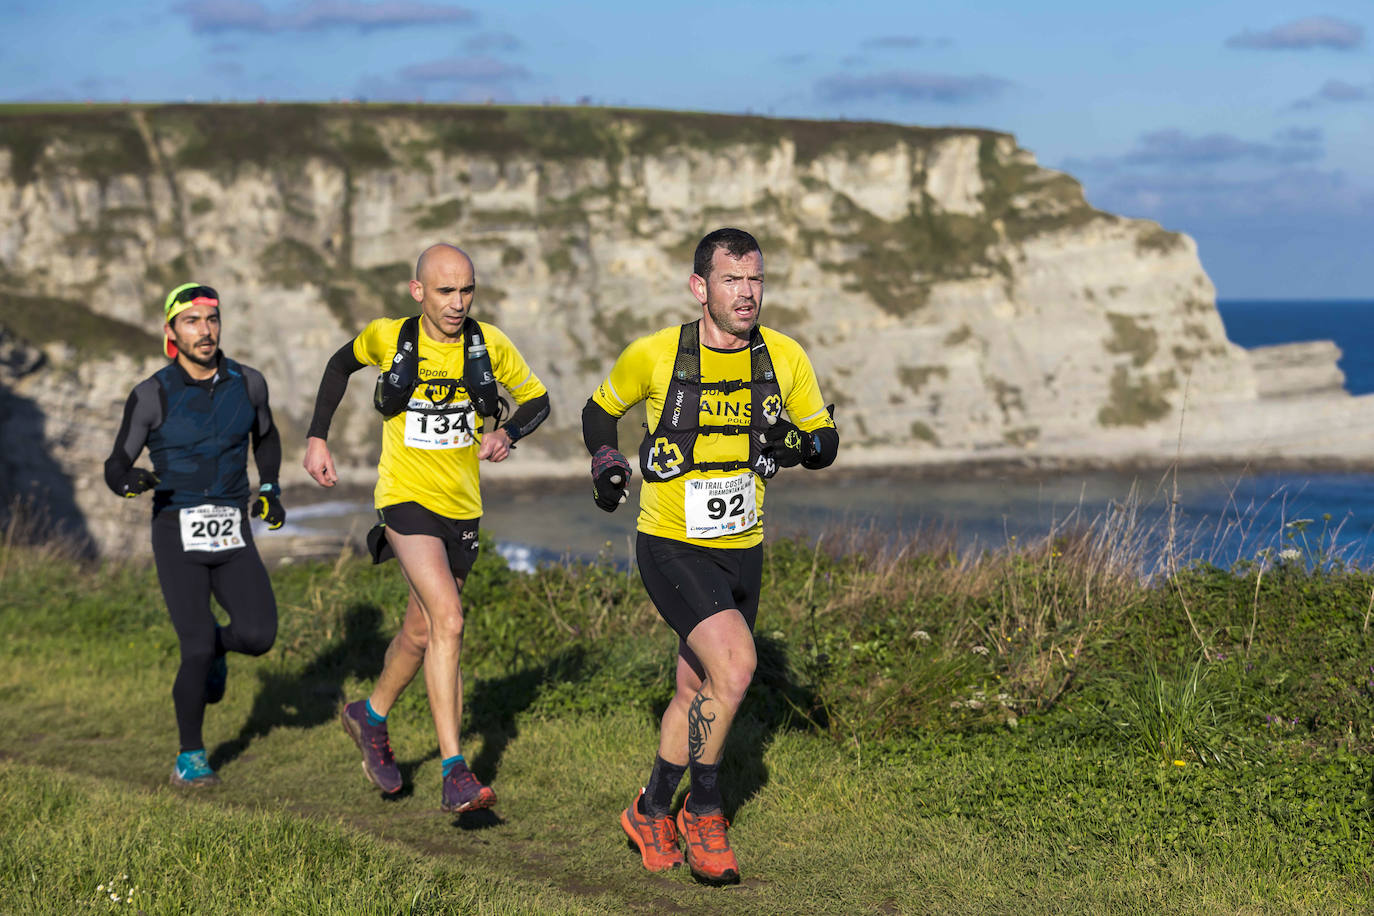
x=665 y=459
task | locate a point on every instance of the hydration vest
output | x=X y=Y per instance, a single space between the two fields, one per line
x=668 y=450
x=396 y=384
x=199 y=449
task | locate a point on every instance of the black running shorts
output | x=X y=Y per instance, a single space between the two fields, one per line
x=688 y=583
x=458 y=534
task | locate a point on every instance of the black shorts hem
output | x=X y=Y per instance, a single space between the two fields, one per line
x=459 y=535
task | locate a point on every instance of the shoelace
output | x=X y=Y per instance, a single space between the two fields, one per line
x=466 y=783
x=382 y=745
x=711 y=830
x=662 y=830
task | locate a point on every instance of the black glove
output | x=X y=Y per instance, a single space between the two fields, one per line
x=610 y=478
x=136 y=481
x=268 y=506
x=789 y=444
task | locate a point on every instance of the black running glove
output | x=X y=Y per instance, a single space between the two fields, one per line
x=268 y=506
x=610 y=478
x=136 y=481
x=790 y=446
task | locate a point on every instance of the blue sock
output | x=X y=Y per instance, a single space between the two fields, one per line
x=451 y=762
x=372 y=717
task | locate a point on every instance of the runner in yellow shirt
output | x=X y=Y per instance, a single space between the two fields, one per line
x=716 y=390
x=438 y=380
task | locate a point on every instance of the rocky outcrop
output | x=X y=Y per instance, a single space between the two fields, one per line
x=959 y=301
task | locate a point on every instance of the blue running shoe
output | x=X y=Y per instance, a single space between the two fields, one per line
x=216 y=679
x=193 y=770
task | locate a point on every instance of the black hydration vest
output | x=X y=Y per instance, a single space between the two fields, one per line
x=667 y=451
x=396 y=384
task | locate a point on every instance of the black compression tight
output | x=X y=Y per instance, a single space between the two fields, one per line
x=239 y=582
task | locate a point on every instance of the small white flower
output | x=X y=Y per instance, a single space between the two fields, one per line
x=1290 y=553
x=922 y=635
x=980 y=650
x=975 y=704
x=100 y=888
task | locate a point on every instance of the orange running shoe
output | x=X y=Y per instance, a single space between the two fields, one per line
x=656 y=837
x=708 y=851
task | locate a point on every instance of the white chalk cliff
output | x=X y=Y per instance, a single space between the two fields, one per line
x=960 y=303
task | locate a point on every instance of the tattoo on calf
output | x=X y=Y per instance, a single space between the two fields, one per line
x=698 y=727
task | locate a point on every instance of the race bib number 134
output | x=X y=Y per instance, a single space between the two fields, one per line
x=428 y=427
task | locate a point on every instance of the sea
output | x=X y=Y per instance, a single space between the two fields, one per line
x=1222 y=516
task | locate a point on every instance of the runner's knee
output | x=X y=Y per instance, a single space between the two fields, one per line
x=446 y=626
x=731 y=681
x=256 y=639
x=199 y=656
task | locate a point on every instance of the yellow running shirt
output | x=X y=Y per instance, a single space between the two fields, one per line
x=431 y=458
x=644 y=370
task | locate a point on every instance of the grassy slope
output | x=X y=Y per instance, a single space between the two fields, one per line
x=954 y=813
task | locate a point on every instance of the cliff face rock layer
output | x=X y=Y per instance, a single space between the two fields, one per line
x=959 y=302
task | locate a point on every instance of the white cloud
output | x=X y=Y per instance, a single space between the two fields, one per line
x=1338 y=91
x=316 y=15
x=1303 y=34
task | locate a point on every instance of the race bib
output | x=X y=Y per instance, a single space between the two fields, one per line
x=436 y=427
x=720 y=505
x=211 y=528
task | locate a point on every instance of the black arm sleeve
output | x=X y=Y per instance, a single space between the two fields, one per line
x=142 y=414
x=527 y=418
x=828 y=438
x=266 y=438
x=598 y=428
x=332 y=387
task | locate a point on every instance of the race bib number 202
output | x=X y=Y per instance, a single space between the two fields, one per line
x=211 y=528
x=720 y=505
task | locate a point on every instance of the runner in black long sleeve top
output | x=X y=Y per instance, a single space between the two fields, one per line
x=198 y=416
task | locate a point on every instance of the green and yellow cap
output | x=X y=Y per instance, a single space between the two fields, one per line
x=178 y=301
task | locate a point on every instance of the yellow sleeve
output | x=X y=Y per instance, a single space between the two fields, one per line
x=509 y=367
x=802 y=398
x=376 y=343
x=631 y=376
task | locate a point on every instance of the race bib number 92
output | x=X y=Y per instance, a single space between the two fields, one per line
x=720 y=505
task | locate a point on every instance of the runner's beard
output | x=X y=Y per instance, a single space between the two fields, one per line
x=193 y=352
x=730 y=323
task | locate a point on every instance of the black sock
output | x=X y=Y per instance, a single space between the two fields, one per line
x=705 y=796
x=657 y=800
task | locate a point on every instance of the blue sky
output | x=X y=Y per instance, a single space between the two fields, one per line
x=1247 y=125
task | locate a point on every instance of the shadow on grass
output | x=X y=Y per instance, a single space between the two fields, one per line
x=493 y=704
x=313 y=695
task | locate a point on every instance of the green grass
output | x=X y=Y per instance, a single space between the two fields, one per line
x=926 y=733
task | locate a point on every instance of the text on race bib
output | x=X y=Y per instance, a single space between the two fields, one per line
x=432 y=426
x=719 y=505
x=211 y=528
